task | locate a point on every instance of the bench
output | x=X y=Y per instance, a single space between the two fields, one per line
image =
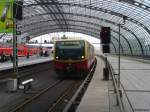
x=26 y=84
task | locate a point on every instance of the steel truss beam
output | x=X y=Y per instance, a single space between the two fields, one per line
x=132 y=2
x=114 y=47
x=55 y=2
x=88 y=31
x=111 y=22
x=118 y=45
x=96 y=9
x=94 y=24
x=136 y=3
x=51 y=30
x=53 y=16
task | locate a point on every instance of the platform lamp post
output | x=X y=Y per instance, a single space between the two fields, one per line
x=28 y=49
x=17 y=16
x=119 y=25
x=15 y=51
x=11 y=23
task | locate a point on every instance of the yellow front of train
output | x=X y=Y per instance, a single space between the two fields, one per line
x=70 y=56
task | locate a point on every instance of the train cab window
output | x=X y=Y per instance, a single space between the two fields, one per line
x=70 y=50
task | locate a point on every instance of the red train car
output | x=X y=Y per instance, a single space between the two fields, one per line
x=73 y=56
x=6 y=53
x=23 y=50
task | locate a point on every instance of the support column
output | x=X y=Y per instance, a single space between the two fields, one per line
x=15 y=50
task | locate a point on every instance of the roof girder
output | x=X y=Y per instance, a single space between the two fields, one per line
x=97 y=9
x=136 y=3
x=88 y=31
x=100 y=26
x=53 y=16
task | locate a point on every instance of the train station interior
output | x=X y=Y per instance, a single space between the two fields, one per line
x=115 y=76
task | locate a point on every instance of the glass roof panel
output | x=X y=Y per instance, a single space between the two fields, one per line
x=40 y=15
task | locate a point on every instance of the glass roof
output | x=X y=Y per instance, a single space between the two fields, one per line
x=88 y=16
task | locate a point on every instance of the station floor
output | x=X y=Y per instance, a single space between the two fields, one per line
x=135 y=80
x=7 y=99
x=96 y=97
x=23 y=61
x=100 y=96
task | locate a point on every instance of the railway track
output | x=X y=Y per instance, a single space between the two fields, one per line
x=62 y=101
x=30 y=105
x=43 y=75
x=20 y=107
x=51 y=96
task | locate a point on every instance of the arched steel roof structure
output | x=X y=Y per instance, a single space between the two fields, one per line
x=88 y=16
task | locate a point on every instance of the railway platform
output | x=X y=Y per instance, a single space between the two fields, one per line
x=23 y=61
x=135 y=86
x=96 y=96
x=100 y=96
x=135 y=80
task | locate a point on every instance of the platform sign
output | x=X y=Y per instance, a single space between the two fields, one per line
x=6 y=14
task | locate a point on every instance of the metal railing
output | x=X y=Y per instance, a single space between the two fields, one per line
x=119 y=92
x=71 y=106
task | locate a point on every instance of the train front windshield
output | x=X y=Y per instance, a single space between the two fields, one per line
x=70 y=50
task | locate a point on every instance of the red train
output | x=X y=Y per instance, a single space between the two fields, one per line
x=73 y=56
x=6 y=53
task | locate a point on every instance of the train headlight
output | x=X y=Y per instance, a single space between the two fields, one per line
x=82 y=57
x=57 y=57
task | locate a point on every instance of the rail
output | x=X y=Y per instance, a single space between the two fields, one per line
x=131 y=107
x=70 y=107
x=30 y=99
x=118 y=95
x=119 y=92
